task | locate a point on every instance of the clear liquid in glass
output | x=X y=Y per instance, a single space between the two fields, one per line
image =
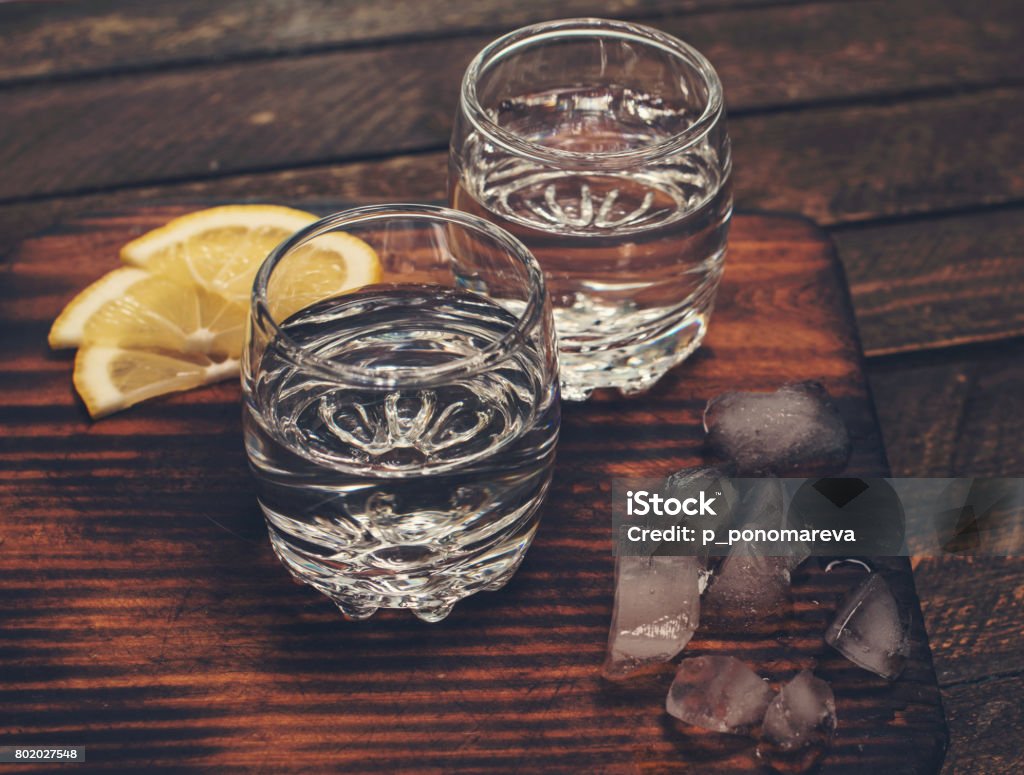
x=411 y=498
x=632 y=258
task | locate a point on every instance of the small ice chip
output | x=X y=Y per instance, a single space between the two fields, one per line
x=795 y=430
x=718 y=693
x=802 y=714
x=657 y=610
x=871 y=630
x=687 y=481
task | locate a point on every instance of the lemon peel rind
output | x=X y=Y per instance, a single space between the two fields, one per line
x=139 y=250
x=68 y=328
x=103 y=397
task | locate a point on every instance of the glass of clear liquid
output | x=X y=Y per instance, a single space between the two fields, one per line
x=602 y=146
x=402 y=434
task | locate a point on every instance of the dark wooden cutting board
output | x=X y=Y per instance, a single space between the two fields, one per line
x=143 y=615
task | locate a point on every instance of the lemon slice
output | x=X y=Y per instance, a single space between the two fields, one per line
x=111 y=378
x=158 y=314
x=67 y=328
x=156 y=338
x=221 y=249
x=176 y=319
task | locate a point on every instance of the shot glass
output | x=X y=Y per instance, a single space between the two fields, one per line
x=602 y=146
x=402 y=434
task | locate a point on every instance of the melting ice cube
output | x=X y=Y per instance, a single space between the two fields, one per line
x=747 y=588
x=795 y=430
x=690 y=482
x=762 y=507
x=802 y=714
x=871 y=630
x=718 y=693
x=761 y=503
x=657 y=610
x=752 y=582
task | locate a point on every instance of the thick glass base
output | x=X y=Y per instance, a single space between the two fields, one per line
x=634 y=368
x=429 y=593
x=357 y=608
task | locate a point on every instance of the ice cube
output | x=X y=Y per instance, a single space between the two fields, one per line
x=762 y=507
x=657 y=610
x=689 y=483
x=753 y=581
x=871 y=630
x=718 y=693
x=802 y=714
x=761 y=503
x=747 y=588
x=795 y=430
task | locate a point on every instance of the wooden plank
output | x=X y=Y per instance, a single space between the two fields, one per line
x=858 y=163
x=834 y=165
x=936 y=282
x=958 y=413
x=189 y=649
x=974 y=613
x=955 y=42
x=985 y=720
x=920 y=284
x=402 y=178
x=961 y=413
x=61 y=38
x=207 y=121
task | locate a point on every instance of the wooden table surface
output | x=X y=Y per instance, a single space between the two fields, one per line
x=896 y=124
x=148 y=620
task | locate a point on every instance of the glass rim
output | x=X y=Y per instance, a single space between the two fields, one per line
x=410 y=376
x=584 y=27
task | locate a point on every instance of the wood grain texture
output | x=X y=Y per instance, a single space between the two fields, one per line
x=925 y=284
x=974 y=612
x=928 y=42
x=920 y=284
x=960 y=413
x=985 y=721
x=209 y=121
x=846 y=164
x=406 y=178
x=151 y=623
x=835 y=165
x=955 y=413
x=59 y=38
x=931 y=282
